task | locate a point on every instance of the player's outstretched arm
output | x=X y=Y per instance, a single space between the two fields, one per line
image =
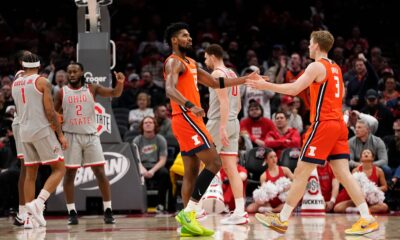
x=110 y=92
x=58 y=101
x=314 y=71
x=206 y=79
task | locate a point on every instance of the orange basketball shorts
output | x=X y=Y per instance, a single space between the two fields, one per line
x=191 y=133
x=325 y=140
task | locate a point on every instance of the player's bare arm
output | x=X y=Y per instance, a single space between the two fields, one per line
x=58 y=101
x=97 y=89
x=173 y=68
x=45 y=87
x=222 y=95
x=314 y=72
x=206 y=79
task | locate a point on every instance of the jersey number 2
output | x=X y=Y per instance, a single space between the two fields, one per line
x=78 y=109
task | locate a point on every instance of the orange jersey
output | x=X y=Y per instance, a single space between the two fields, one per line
x=187 y=84
x=326 y=96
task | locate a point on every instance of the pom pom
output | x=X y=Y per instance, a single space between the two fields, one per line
x=266 y=192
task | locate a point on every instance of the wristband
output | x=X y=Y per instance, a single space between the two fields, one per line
x=189 y=104
x=221 y=82
x=332 y=199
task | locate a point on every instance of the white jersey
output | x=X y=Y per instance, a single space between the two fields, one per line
x=19 y=74
x=78 y=111
x=233 y=96
x=33 y=121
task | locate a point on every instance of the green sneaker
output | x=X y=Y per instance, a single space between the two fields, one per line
x=188 y=221
x=186 y=233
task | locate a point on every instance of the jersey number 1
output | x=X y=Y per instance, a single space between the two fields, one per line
x=23 y=95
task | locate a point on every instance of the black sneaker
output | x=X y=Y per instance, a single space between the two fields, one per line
x=160 y=208
x=18 y=221
x=73 y=218
x=108 y=216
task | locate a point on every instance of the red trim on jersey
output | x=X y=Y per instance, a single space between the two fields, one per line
x=34 y=85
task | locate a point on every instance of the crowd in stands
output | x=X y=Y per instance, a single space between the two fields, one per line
x=270 y=38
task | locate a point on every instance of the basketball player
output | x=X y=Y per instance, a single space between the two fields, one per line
x=35 y=109
x=22 y=214
x=76 y=103
x=223 y=125
x=326 y=139
x=181 y=75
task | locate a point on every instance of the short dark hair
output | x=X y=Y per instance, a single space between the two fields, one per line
x=216 y=50
x=30 y=58
x=173 y=29
x=156 y=127
x=281 y=112
x=79 y=64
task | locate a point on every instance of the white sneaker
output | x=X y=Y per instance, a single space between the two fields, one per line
x=236 y=219
x=201 y=215
x=36 y=210
x=30 y=223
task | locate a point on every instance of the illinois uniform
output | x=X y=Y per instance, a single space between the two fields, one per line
x=80 y=128
x=39 y=142
x=189 y=130
x=214 y=117
x=326 y=139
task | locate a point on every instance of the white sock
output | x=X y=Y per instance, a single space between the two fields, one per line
x=106 y=205
x=43 y=196
x=285 y=212
x=239 y=205
x=21 y=210
x=70 y=207
x=192 y=206
x=364 y=211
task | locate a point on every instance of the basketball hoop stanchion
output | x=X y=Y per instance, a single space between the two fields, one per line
x=94 y=49
x=313 y=203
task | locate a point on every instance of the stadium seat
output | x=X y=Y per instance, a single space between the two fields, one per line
x=289 y=157
x=254 y=163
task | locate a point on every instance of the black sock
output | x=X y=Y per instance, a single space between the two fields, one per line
x=202 y=183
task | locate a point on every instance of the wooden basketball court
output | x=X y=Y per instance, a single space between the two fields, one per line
x=161 y=227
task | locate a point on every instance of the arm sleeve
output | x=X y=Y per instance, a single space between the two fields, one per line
x=381 y=153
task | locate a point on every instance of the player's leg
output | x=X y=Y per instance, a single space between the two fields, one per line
x=69 y=193
x=191 y=166
x=21 y=216
x=105 y=190
x=30 y=182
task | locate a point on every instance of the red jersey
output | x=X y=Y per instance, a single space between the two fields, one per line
x=187 y=83
x=275 y=202
x=326 y=96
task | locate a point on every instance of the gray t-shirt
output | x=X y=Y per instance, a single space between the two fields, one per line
x=150 y=150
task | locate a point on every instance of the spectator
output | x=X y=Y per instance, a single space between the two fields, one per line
x=329 y=185
x=292 y=73
x=2 y=107
x=262 y=97
x=155 y=67
x=287 y=106
x=153 y=153
x=256 y=126
x=283 y=136
x=8 y=100
x=164 y=123
x=364 y=139
x=356 y=39
x=61 y=80
x=375 y=175
x=364 y=77
x=272 y=173
x=351 y=118
x=156 y=93
x=390 y=92
x=137 y=115
x=380 y=112
x=393 y=147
